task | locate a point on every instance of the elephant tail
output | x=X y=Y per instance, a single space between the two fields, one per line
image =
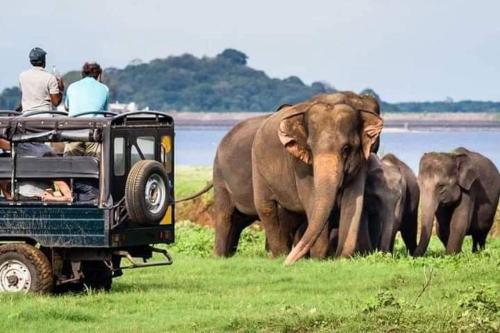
x=197 y=194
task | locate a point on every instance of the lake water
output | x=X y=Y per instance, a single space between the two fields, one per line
x=196 y=146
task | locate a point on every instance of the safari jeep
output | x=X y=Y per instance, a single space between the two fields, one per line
x=46 y=245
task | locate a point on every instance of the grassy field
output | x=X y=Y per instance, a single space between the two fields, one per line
x=253 y=293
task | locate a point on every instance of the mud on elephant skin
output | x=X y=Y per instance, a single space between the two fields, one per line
x=461 y=190
x=302 y=157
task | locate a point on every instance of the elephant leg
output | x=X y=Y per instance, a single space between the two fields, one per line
x=475 y=243
x=478 y=241
x=409 y=227
x=277 y=237
x=393 y=240
x=239 y=222
x=364 y=245
x=319 y=250
x=334 y=239
x=224 y=210
x=443 y=217
x=460 y=221
x=351 y=209
x=290 y=223
x=299 y=232
x=443 y=233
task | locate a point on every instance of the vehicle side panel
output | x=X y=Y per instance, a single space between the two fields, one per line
x=56 y=226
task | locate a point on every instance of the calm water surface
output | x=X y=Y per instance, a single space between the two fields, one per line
x=197 y=146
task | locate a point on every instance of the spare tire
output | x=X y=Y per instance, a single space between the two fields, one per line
x=147 y=192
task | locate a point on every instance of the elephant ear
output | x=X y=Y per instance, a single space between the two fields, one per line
x=466 y=172
x=372 y=126
x=292 y=132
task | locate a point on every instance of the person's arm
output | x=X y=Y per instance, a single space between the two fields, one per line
x=106 y=103
x=66 y=100
x=56 y=88
x=5 y=188
x=66 y=195
x=4 y=144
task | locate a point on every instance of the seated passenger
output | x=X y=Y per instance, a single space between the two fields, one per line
x=87 y=94
x=56 y=191
x=48 y=191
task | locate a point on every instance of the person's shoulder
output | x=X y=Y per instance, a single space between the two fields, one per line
x=26 y=73
x=76 y=84
x=103 y=86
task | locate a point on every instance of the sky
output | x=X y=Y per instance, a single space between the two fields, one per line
x=413 y=50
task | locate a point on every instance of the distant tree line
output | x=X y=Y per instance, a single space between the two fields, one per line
x=223 y=83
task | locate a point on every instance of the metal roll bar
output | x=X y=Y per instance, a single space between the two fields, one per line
x=104 y=113
x=16 y=113
x=35 y=113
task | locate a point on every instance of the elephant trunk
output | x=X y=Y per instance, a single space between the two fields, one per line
x=429 y=207
x=328 y=176
x=386 y=235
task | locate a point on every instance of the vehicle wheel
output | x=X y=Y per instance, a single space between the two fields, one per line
x=147 y=192
x=24 y=268
x=97 y=275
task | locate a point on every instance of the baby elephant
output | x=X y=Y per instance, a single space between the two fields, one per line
x=461 y=190
x=391 y=204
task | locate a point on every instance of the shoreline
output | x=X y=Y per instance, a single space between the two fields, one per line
x=398 y=122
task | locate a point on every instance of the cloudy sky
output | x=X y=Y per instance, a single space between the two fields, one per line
x=409 y=50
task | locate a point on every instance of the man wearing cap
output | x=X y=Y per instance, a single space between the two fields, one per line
x=41 y=91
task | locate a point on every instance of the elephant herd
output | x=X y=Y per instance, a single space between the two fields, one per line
x=309 y=172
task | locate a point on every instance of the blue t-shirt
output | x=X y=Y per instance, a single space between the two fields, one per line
x=86 y=95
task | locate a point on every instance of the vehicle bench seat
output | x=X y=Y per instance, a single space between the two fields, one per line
x=51 y=167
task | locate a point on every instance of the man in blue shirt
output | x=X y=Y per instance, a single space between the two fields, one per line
x=87 y=94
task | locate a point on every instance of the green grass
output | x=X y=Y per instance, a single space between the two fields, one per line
x=253 y=293
x=190 y=180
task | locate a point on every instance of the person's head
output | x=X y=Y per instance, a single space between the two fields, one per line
x=37 y=57
x=92 y=69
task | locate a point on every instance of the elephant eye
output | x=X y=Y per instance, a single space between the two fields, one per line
x=346 y=150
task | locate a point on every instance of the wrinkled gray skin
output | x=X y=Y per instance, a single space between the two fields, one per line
x=391 y=203
x=461 y=190
x=302 y=157
x=232 y=178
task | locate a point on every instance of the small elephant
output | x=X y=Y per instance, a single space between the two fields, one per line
x=391 y=203
x=461 y=190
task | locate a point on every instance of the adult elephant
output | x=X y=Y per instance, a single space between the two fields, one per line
x=391 y=203
x=233 y=190
x=461 y=190
x=302 y=157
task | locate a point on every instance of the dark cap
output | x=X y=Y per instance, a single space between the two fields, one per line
x=37 y=54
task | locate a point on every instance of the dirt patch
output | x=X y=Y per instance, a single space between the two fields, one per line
x=199 y=210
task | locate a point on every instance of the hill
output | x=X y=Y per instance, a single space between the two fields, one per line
x=223 y=83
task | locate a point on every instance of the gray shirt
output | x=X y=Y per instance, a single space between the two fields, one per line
x=36 y=86
x=33 y=189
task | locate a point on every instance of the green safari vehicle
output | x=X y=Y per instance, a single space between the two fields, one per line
x=46 y=246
